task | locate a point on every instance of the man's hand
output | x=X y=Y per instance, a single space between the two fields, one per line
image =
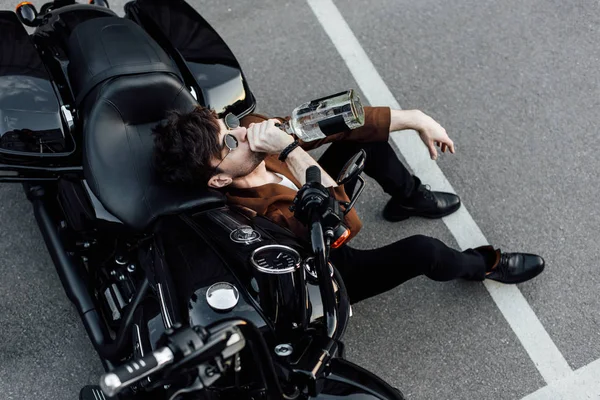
x=267 y=138
x=433 y=134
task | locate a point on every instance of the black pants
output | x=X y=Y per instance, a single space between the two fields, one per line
x=367 y=273
x=381 y=164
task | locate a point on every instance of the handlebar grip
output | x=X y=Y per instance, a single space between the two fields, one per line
x=313 y=174
x=124 y=375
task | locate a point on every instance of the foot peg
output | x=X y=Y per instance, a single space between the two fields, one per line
x=92 y=392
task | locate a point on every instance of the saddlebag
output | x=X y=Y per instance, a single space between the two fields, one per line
x=34 y=125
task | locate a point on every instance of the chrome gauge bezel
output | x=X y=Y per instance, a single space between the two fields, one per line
x=280 y=247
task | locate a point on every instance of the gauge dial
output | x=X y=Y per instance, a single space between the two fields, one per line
x=275 y=259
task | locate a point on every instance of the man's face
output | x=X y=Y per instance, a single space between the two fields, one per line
x=240 y=161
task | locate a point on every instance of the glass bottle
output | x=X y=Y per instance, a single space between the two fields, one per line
x=325 y=116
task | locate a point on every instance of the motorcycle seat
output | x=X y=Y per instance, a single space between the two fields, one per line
x=106 y=47
x=118 y=144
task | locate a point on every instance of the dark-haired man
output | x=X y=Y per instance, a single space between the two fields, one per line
x=261 y=167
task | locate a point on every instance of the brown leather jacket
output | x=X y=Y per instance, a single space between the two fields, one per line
x=273 y=200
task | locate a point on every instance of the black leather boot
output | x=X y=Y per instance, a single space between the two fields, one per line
x=423 y=203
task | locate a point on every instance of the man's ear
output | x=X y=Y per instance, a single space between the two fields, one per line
x=219 y=181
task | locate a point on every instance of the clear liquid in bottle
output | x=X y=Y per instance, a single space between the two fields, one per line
x=326 y=116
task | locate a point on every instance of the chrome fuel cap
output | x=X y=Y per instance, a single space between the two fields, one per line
x=222 y=296
x=244 y=234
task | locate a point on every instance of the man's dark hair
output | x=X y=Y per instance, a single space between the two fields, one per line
x=184 y=145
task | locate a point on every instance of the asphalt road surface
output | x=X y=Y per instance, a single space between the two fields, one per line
x=517 y=86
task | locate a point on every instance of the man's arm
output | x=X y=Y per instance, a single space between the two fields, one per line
x=267 y=138
x=298 y=162
x=380 y=121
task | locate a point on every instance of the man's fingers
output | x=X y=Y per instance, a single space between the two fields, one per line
x=250 y=136
x=432 y=151
x=263 y=128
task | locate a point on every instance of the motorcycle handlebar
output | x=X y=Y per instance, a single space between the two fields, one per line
x=129 y=373
x=313 y=174
x=182 y=348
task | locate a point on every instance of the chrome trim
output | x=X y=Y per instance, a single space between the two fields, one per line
x=193 y=93
x=284 y=349
x=314 y=273
x=116 y=314
x=256 y=235
x=139 y=339
x=98 y=394
x=280 y=271
x=163 y=356
x=163 y=308
x=118 y=295
x=197 y=385
x=121 y=260
x=111 y=384
x=68 y=116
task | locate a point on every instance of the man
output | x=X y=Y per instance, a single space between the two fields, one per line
x=261 y=167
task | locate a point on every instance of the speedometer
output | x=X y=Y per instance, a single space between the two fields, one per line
x=275 y=259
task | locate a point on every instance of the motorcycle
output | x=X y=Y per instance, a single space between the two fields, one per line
x=181 y=295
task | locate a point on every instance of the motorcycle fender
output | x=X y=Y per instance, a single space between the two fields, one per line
x=351 y=382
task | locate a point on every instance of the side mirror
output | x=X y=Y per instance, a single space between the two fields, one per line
x=352 y=170
x=101 y=3
x=27 y=14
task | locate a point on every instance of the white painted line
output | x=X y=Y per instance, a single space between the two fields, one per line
x=584 y=384
x=545 y=355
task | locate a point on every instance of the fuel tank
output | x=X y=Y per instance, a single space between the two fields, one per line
x=233 y=236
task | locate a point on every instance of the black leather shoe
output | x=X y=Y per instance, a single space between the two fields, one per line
x=516 y=268
x=423 y=203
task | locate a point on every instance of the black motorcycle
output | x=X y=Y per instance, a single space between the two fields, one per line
x=181 y=295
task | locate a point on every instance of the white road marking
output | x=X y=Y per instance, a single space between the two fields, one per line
x=535 y=340
x=583 y=384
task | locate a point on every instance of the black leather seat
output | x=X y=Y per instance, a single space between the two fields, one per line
x=125 y=83
x=118 y=148
x=107 y=47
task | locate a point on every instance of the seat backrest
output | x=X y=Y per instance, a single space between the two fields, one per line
x=118 y=147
